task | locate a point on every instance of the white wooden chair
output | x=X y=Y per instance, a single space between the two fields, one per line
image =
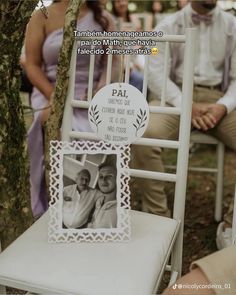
x=134 y=267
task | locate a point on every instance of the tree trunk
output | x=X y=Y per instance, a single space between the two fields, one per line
x=53 y=125
x=15 y=212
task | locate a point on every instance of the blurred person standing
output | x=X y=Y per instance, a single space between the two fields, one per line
x=120 y=10
x=213 y=109
x=103 y=3
x=156 y=8
x=44 y=37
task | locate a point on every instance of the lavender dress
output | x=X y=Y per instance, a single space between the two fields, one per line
x=50 y=52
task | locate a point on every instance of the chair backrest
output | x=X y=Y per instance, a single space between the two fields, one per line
x=184 y=111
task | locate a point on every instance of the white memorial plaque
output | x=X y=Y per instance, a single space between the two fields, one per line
x=119 y=113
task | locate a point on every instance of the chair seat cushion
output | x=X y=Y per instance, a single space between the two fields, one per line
x=31 y=263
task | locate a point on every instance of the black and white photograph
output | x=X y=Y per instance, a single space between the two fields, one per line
x=89 y=192
x=90 y=198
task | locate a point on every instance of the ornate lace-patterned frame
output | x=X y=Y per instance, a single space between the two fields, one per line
x=55 y=231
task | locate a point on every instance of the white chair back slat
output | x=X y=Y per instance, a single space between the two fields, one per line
x=145 y=75
x=165 y=73
x=170 y=144
x=109 y=67
x=83 y=104
x=91 y=70
x=127 y=60
x=153 y=109
x=153 y=175
x=165 y=110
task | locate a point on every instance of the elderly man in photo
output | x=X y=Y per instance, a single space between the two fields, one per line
x=105 y=214
x=78 y=201
x=213 y=109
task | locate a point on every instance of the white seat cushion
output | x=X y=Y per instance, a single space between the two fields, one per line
x=31 y=263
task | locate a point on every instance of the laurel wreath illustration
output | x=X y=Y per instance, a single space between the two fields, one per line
x=140 y=120
x=94 y=116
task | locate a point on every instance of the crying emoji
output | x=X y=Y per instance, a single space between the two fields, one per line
x=154 y=51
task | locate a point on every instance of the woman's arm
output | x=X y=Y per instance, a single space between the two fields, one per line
x=35 y=37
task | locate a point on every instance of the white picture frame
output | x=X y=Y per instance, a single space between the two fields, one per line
x=101 y=158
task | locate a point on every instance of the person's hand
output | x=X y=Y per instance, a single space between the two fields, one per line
x=206 y=116
x=217 y=111
x=200 y=120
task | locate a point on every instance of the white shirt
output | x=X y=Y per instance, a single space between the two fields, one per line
x=75 y=212
x=210 y=58
x=105 y=213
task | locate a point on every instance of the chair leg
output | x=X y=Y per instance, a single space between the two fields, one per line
x=173 y=278
x=177 y=253
x=219 y=181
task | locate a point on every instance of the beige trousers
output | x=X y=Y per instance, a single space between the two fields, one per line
x=220 y=270
x=164 y=126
